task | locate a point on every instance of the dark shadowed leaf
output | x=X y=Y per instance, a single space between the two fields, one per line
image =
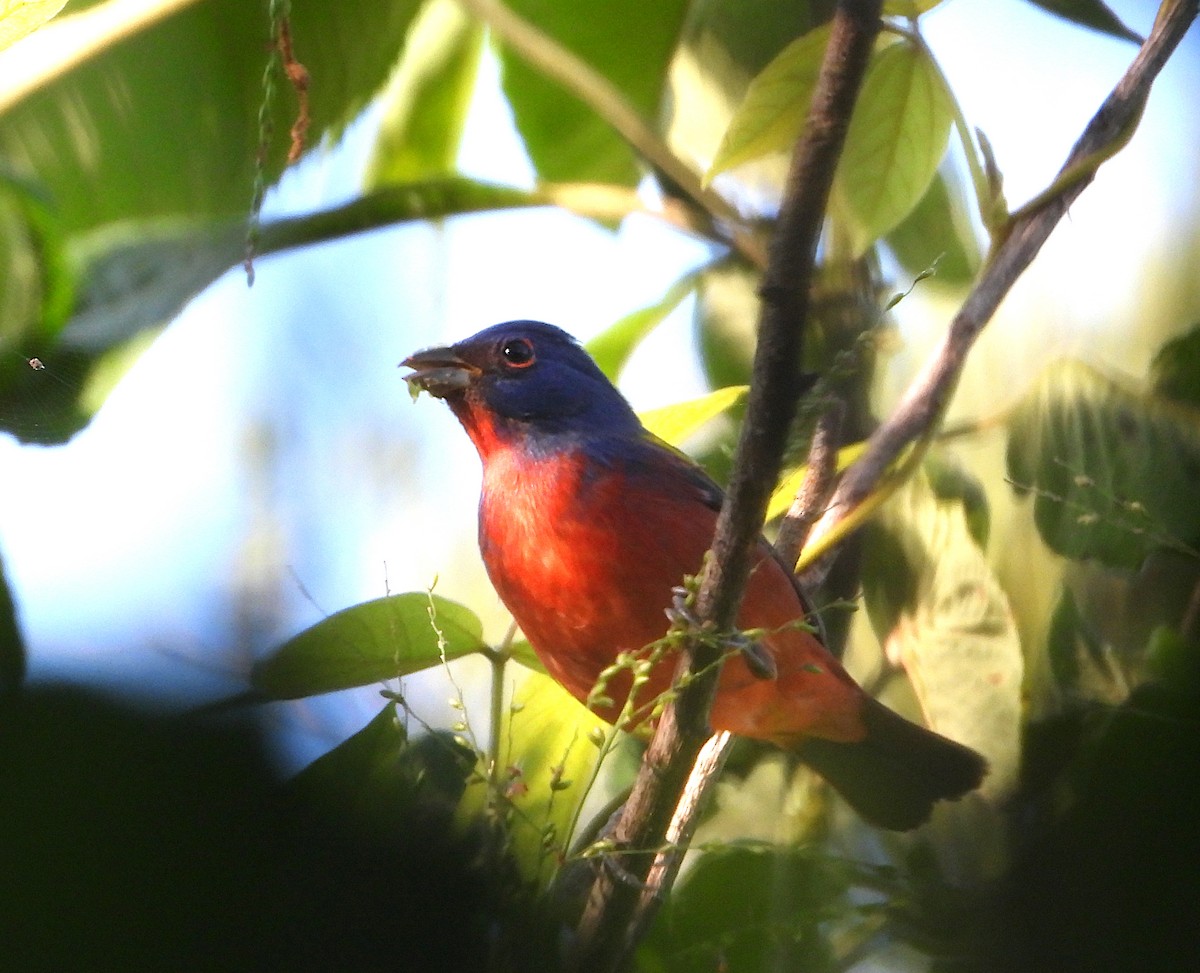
x=1175 y=371
x=630 y=42
x=378 y=777
x=1089 y=13
x=742 y=908
x=1114 y=471
x=1077 y=656
x=12 y=646
x=371 y=642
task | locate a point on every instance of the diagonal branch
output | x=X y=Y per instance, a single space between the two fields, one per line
x=621 y=905
x=925 y=402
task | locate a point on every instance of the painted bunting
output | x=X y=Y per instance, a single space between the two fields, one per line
x=587 y=523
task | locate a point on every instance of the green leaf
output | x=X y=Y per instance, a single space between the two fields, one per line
x=139 y=275
x=908 y=9
x=379 y=778
x=425 y=104
x=1114 y=471
x=613 y=346
x=750 y=908
x=631 y=43
x=548 y=760
x=897 y=138
x=522 y=652
x=99 y=128
x=1174 y=660
x=938 y=229
x=368 y=643
x=942 y=616
x=1078 y=658
x=674 y=423
x=21 y=17
x=12 y=646
x=775 y=106
x=950 y=482
x=35 y=281
x=1175 y=371
x=126 y=133
x=727 y=308
x=1094 y=14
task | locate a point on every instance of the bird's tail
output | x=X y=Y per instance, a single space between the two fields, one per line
x=894 y=775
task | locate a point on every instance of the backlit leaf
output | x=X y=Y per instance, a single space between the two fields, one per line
x=12 y=646
x=938 y=229
x=775 y=106
x=630 y=42
x=897 y=138
x=790 y=484
x=368 y=643
x=21 y=17
x=425 y=103
x=547 y=760
x=1114 y=471
x=674 y=423
x=947 y=622
x=613 y=346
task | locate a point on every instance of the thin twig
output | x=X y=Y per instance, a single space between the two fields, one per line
x=925 y=402
x=617 y=913
x=687 y=816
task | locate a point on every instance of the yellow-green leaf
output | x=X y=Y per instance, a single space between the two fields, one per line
x=896 y=141
x=547 y=760
x=21 y=17
x=790 y=485
x=775 y=106
x=612 y=347
x=674 y=423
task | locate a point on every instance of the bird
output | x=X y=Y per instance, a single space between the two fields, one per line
x=588 y=524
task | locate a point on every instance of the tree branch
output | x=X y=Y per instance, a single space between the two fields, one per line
x=621 y=905
x=930 y=392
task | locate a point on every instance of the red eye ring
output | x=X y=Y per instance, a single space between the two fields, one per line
x=517 y=352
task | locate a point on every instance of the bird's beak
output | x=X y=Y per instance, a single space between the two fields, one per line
x=439 y=371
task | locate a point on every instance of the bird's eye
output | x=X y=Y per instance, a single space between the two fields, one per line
x=517 y=352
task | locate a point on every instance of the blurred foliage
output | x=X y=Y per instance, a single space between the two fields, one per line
x=148 y=841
